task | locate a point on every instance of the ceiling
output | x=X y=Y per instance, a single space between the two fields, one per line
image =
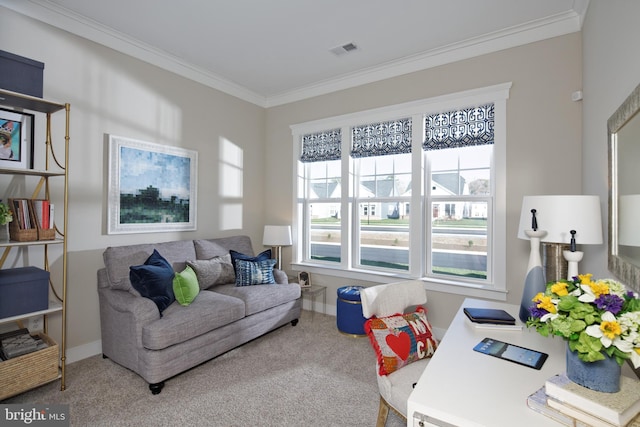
x=272 y=52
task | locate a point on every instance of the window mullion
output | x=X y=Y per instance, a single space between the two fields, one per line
x=346 y=207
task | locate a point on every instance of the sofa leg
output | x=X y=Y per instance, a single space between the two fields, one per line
x=294 y=322
x=156 y=388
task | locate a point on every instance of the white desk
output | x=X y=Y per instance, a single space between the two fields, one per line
x=461 y=387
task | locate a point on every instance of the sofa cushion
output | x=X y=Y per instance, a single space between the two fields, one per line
x=207 y=312
x=260 y=298
x=215 y=271
x=154 y=280
x=254 y=272
x=235 y=255
x=118 y=259
x=208 y=248
x=400 y=339
x=185 y=286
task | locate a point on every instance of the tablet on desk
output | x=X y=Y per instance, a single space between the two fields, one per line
x=489 y=315
x=513 y=353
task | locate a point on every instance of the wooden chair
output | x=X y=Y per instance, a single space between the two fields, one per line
x=387 y=300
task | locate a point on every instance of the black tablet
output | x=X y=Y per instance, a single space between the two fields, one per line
x=513 y=353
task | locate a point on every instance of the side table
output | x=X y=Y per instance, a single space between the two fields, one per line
x=313 y=291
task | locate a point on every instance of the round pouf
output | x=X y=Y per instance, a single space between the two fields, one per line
x=349 y=311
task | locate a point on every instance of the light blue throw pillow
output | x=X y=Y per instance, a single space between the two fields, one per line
x=254 y=272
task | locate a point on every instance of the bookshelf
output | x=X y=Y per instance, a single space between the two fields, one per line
x=26 y=372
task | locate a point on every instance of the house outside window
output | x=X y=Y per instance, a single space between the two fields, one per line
x=409 y=191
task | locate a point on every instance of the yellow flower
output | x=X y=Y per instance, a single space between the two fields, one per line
x=610 y=329
x=599 y=288
x=545 y=303
x=560 y=289
x=585 y=279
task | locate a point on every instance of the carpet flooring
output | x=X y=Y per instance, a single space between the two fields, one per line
x=310 y=374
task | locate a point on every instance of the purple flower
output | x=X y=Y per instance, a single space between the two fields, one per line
x=609 y=302
x=537 y=312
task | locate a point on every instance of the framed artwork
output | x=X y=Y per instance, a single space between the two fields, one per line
x=304 y=279
x=152 y=187
x=16 y=139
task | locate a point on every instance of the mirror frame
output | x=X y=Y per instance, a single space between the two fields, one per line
x=623 y=269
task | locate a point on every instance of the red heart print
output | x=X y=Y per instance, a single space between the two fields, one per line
x=401 y=344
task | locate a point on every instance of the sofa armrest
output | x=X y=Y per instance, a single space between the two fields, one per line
x=122 y=317
x=280 y=276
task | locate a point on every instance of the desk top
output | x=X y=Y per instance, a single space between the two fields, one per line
x=462 y=387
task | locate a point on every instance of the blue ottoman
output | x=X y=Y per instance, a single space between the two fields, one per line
x=349 y=311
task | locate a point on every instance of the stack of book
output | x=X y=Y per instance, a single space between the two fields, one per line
x=18 y=342
x=574 y=405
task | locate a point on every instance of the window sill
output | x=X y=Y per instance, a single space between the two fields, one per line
x=446 y=286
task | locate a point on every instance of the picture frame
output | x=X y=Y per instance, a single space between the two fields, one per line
x=16 y=139
x=304 y=279
x=141 y=198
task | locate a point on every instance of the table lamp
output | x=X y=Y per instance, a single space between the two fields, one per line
x=277 y=236
x=559 y=216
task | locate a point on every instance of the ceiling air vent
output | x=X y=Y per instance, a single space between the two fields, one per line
x=345 y=48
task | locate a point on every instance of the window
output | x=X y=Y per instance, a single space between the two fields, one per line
x=414 y=190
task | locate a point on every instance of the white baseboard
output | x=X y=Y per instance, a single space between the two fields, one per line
x=84 y=351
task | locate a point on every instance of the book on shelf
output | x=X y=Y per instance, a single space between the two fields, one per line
x=618 y=409
x=41 y=209
x=19 y=342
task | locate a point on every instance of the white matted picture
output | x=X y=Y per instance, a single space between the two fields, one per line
x=304 y=279
x=16 y=139
x=152 y=187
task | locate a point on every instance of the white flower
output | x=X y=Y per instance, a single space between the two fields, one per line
x=588 y=295
x=596 y=332
x=549 y=317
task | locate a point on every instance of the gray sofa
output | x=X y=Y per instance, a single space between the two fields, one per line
x=159 y=346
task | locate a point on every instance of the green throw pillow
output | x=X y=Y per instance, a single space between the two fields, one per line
x=185 y=286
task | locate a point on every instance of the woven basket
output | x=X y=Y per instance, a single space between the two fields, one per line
x=30 y=370
x=18 y=234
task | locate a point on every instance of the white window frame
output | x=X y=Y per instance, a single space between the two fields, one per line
x=495 y=286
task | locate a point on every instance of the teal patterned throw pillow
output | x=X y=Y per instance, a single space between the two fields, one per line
x=254 y=272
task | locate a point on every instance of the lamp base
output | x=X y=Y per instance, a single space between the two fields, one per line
x=573 y=258
x=555 y=266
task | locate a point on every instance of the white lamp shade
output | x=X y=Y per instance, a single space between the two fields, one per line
x=277 y=235
x=628 y=223
x=558 y=215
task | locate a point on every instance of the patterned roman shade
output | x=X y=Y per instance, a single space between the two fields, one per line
x=321 y=146
x=459 y=128
x=382 y=139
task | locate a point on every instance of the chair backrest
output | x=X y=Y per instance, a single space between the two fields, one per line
x=392 y=298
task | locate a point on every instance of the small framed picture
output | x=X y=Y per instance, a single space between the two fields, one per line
x=304 y=279
x=16 y=139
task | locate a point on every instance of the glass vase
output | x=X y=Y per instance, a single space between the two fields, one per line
x=603 y=375
x=4 y=233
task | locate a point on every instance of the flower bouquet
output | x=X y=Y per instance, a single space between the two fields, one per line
x=599 y=319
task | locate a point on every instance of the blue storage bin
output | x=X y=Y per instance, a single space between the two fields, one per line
x=23 y=290
x=349 y=311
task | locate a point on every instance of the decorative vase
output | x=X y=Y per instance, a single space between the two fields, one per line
x=534 y=282
x=4 y=233
x=603 y=375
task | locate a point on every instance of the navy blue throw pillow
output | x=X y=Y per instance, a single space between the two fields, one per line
x=262 y=256
x=154 y=280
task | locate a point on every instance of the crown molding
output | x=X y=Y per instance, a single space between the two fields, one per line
x=553 y=26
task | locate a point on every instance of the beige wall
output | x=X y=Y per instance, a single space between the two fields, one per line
x=611 y=72
x=111 y=93
x=543 y=136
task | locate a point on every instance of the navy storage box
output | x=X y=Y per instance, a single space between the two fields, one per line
x=349 y=317
x=20 y=74
x=23 y=290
